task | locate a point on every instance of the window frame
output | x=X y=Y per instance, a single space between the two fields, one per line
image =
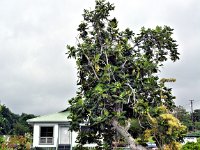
x=46 y=138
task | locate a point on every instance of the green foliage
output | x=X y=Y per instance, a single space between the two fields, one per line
x=21 y=126
x=197 y=133
x=16 y=142
x=183 y=116
x=1 y=140
x=20 y=129
x=117 y=76
x=191 y=146
x=13 y=124
x=197 y=126
x=196 y=115
x=135 y=128
x=7 y=120
x=198 y=140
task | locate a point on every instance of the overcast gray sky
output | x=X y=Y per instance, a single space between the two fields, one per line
x=35 y=74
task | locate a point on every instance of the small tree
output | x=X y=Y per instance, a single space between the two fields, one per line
x=196 y=115
x=118 y=81
x=184 y=116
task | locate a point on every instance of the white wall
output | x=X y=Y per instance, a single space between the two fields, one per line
x=189 y=139
x=36 y=134
x=74 y=135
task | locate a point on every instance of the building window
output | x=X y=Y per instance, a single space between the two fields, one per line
x=46 y=135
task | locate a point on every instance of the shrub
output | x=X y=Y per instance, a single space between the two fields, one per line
x=191 y=146
x=17 y=142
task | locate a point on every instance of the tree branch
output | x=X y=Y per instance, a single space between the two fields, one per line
x=90 y=63
x=132 y=92
x=122 y=131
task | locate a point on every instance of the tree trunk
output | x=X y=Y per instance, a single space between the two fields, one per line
x=123 y=132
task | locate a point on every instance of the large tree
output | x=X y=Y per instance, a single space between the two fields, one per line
x=119 y=84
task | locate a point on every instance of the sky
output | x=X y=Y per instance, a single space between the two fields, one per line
x=36 y=76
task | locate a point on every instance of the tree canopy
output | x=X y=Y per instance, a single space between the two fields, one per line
x=196 y=115
x=13 y=124
x=120 y=95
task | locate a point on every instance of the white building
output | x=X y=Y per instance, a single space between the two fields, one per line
x=52 y=132
x=190 y=138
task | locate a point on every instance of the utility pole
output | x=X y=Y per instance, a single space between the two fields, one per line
x=192 y=117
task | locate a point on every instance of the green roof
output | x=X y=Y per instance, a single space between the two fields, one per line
x=56 y=117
